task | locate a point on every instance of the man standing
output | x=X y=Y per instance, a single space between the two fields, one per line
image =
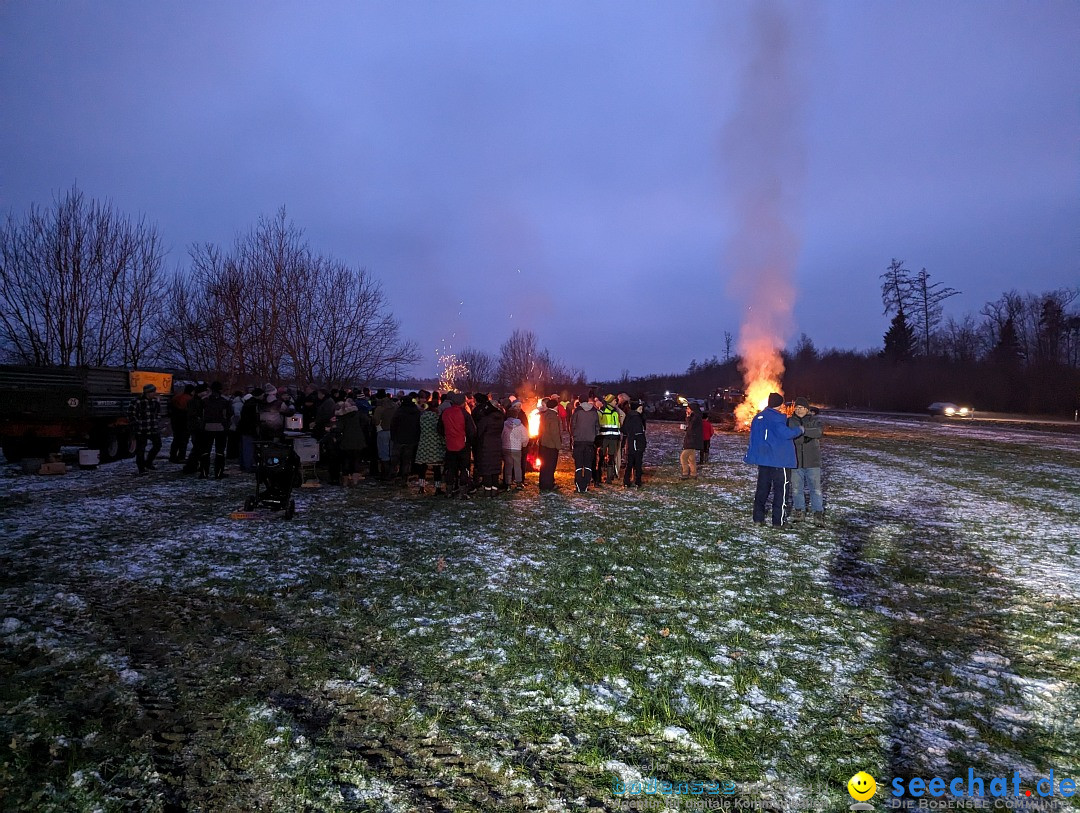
x=549 y=441
x=144 y=417
x=178 y=417
x=584 y=429
x=772 y=451
x=217 y=418
x=633 y=429
x=458 y=430
x=807 y=471
x=607 y=453
x=692 y=443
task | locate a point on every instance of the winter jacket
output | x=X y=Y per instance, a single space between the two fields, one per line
x=352 y=424
x=405 y=425
x=384 y=413
x=694 y=437
x=550 y=429
x=178 y=405
x=143 y=414
x=457 y=428
x=514 y=435
x=324 y=412
x=584 y=425
x=248 y=424
x=196 y=410
x=431 y=449
x=217 y=414
x=633 y=430
x=706 y=428
x=489 y=423
x=770 y=440
x=808 y=445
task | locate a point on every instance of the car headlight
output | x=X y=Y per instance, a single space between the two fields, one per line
x=963 y=410
x=949 y=410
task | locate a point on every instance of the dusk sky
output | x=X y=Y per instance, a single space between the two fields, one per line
x=580 y=169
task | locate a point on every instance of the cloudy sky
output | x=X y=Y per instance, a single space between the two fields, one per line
x=610 y=175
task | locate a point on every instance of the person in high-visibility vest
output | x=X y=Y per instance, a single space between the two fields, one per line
x=607 y=450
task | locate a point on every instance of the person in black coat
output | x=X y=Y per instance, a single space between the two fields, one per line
x=404 y=437
x=489 y=425
x=633 y=432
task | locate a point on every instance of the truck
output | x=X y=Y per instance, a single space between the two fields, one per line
x=44 y=408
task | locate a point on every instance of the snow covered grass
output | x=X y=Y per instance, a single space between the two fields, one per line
x=386 y=651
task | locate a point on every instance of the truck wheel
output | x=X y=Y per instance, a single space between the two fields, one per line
x=290 y=509
x=109 y=445
x=126 y=441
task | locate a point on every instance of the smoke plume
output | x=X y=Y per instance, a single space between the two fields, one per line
x=763 y=155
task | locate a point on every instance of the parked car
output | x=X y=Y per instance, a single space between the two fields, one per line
x=946 y=409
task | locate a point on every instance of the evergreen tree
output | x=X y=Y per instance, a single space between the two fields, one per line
x=1007 y=350
x=899 y=340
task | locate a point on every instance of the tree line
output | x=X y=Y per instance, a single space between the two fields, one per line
x=1020 y=353
x=82 y=283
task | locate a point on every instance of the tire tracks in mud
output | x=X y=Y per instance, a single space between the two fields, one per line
x=199 y=653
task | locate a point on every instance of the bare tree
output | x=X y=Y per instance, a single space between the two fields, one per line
x=481 y=370
x=79 y=283
x=896 y=294
x=521 y=361
x=926 y=307
x=271 y=309
x=960 y=340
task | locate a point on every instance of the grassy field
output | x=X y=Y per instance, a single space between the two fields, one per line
x=390 y=651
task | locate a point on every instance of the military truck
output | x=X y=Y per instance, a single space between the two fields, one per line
x=44 y=408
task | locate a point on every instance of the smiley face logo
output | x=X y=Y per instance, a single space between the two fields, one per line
x=861 y=786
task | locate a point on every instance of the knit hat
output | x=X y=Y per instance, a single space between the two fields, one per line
x=457 y=398
x=775 y=400
x=802 y=402
x=148 y=388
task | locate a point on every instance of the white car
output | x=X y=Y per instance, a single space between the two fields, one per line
x=945 y=409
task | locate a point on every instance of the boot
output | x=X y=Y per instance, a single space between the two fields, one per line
x=798 y=516
x=819 y=519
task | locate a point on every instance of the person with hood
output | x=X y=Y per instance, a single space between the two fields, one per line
x=489 y=425
x=457 y=429
x=515 y=437
x=247 y=427
x=548 y=442
x=431 y=450
x=806 y=473
x=217 y=417
x=584 y=429
x=692 y=442
x=404 y=437
x=772 y=451
x=633 y=430
x=351 y=424
x=271 y=419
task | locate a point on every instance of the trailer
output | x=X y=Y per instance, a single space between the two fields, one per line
x=44 y=408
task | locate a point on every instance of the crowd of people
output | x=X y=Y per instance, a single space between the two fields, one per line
x=472 y=443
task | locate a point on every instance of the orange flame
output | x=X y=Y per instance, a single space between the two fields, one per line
x=534 y=420
x=762 y=368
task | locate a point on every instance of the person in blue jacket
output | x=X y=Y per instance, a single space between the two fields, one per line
x=773 y=452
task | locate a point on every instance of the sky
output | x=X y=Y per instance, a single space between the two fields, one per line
x=628 y=180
